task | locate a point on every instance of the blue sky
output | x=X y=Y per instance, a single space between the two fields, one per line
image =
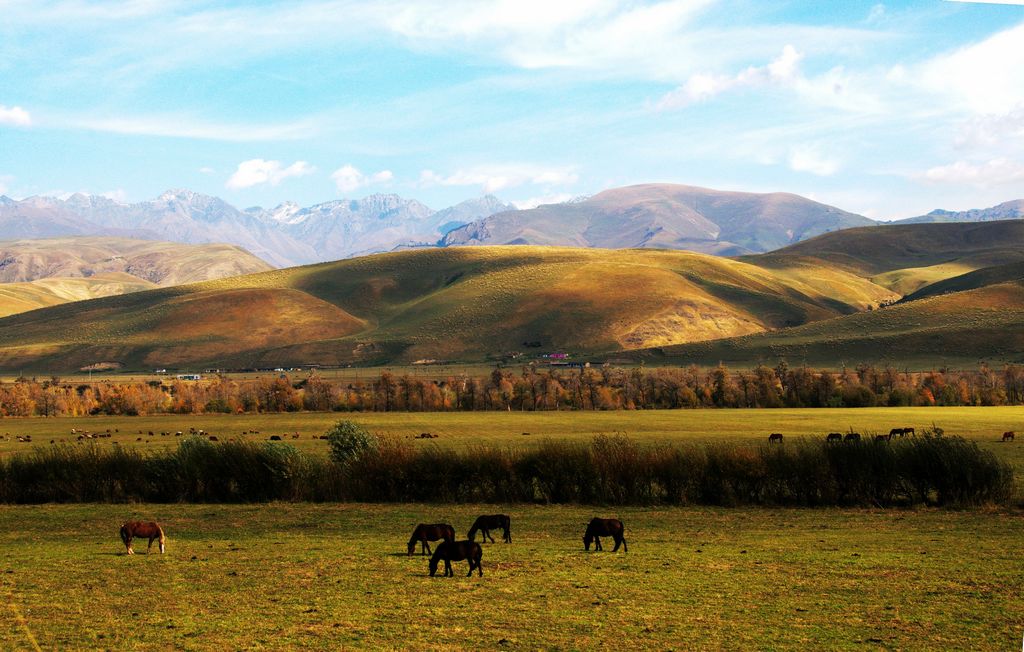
x=888 y=109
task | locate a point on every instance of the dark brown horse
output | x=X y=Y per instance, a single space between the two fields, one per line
x=1008 y=435
x=424 y=533
x=775 y=437
x=493 y=522
x=151 y=531
x=852 y=436
x=605 y=527
x=834 y=436
x=451 y=551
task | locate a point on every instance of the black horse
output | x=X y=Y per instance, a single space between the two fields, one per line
x=605 y=527
x=493 y=522
x=451 y=551
x=435 y=532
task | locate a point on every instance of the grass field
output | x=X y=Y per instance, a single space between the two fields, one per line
x=290 y=576
x=460 y=430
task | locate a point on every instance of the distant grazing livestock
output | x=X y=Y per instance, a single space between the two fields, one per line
x=430 y=532
x=896 y=432
x=426 y=435
x=883 y=437
x=605 y=527
x=910 y=432
x=834 y=436
x=1008 y=435
x=775 y=437
x=485 y=524
x=451 y=551
x=852 y=436
x=275 y=437
x=213 y=438
x=151 y=531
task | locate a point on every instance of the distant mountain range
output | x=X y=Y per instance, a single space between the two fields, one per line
x=1005 y=211
x=662 y=216
x=283 y=236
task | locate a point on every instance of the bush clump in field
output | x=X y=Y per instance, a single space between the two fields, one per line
x=349 y=441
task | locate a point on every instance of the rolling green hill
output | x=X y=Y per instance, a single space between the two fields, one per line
x=464 y=303
x=959 y=329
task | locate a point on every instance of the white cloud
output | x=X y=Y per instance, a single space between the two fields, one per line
x=986 y=77
x=119 y=195
x=493 y=178
x=348 y=178
x=14 y=115
x=999 y=171
x=702 y=86
x=187 y=126
x=259 y=171
x=206 y=170
x=809 y=158
x=534 y=202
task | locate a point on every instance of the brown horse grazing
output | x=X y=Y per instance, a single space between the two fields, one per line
x=1008 y=435
x=852 y=436
x=451 y=551
x=605 y=527
x=834 y=436
x=775 y=436
x=883 y=437
x=909 y=431
x=424 y=533
x=897 y=432
x=493 y=522
x=151 y=531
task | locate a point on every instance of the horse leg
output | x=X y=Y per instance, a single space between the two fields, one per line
x=426 y=547
x=508 y=535
x=597 y=543
x=487 y=533
x=448 y=572
x=128 y=545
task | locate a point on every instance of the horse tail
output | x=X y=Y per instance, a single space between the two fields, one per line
x=162 y=538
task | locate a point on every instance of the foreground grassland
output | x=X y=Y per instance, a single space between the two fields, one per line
x=463 y=429
x=326 y=576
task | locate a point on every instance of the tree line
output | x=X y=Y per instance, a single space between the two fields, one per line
x=529 y=388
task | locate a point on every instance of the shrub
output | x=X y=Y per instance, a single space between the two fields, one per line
x=348 y=441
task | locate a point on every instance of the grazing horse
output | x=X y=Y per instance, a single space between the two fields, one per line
x=151 y=531
x=897 y=432
x=775 y=436
x=605 y=527
x=883 y=437
x=909 y=431
x=834 y=436
x=424 y=533
x=1008 y=435
x=451 y=551
x=852 y=436
x=493 y=522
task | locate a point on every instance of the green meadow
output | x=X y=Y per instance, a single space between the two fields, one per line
x=301 y=576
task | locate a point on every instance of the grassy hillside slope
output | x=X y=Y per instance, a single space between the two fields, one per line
x=905 y=258
x=958 y=329
x=463 y=303
x=21 y=297
x=40 y=273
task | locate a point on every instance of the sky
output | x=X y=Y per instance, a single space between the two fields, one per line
x=885 y=109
